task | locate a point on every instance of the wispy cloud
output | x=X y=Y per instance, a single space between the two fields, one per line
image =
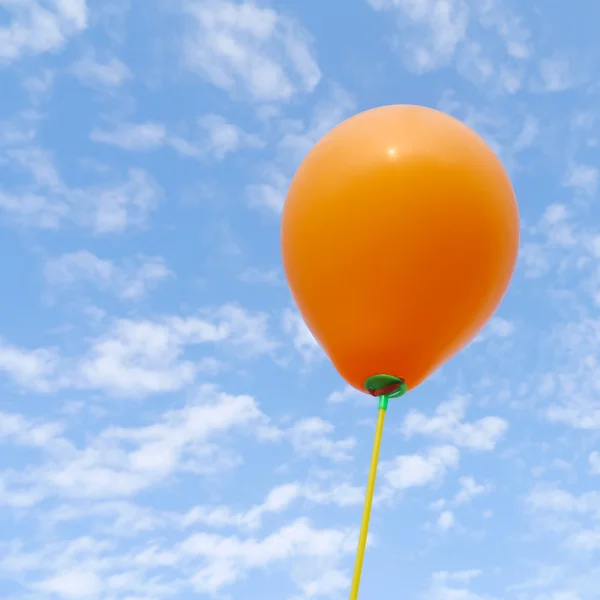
x=130 y=281
x=249 y=50
x=34 y=27
x=101 y=72
x=215 y=138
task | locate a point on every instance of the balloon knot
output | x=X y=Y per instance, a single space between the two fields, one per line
x=388 y=385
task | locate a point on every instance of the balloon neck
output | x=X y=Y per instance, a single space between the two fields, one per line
x=385 y=387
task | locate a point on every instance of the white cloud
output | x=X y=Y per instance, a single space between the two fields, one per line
x=140 y=357
x=137 y=358
x=446 y=520
x=302 y=338
x=113 y=209
x=270 y=194
x=123 y=518
x=21 y=431
x=33 y=210
x=561 y=241
x=469 y=489
x=497 y=327
x=48 y=203
x=509 y=28
x=216 y=139
x=340 y=494
x=106 y=72
x=588 y=541
x=594 y=462
x=208 y=563
x=37 y=27
x=300 y=137
x=417 y=470
x=447 y=425
x=328 y=584
x=121 y=461
x=452 y=585
x=557 y=74
x=39 y=86
x=131 y=281
x=72 y=585
x=574 y=517
x=224 y=138
x=144 y=357
x=254 y=276
x=311 y=437
x=507 y=135
x=535 y=260
x=573 y=384
x=248 y=50
x=278 y=500
x=20 y=128
x=29 y=369
x=202 y=563
x=132 y=136
x=297 y=139
x=444 y=26
x=114 y=518
x=39 y=164
x=559 y=500
x=229 y=558
x=528 y=134
x=435 y=34
x=582 y=178
x=345 y=395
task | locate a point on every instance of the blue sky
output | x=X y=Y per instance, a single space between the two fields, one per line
x=169 y=428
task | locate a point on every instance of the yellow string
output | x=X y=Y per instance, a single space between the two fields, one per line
x=364 y=527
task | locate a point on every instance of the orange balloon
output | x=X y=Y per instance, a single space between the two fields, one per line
x=400 y=234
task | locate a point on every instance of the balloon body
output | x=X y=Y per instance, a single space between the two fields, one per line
x=399 y=236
